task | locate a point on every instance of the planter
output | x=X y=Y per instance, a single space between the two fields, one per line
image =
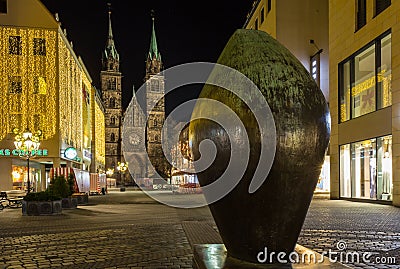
x=41 y=208
x=271 y=215
x=69 y=203
x=83 y=198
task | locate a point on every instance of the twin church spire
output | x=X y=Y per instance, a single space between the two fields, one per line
x=111 y=56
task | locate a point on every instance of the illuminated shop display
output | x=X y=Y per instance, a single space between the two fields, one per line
x=365 y=80
x=28 y=79
x=366 y=169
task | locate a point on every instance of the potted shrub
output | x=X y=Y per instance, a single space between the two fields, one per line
x=41 y=203
x=64 y=189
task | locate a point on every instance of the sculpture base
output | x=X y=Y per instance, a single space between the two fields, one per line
x=214 y=256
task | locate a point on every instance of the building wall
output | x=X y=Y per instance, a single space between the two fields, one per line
x=345 y=40
x=43 y=86
x=294 y=23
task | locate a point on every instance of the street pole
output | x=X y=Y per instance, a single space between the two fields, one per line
x=29 y=181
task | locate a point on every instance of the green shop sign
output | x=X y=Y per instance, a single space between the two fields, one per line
x=17 y=152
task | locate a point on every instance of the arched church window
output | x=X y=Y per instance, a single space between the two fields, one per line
x=112 y=102
x=112 y=121
x=112 y=137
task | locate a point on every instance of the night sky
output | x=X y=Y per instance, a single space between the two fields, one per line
x=187 y=31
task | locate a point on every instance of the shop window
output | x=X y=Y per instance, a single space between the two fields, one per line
x=14 y=84
x=39 y=46
x=269 y=5
x=384 y=168
x=262 y=15
x=14 y=45
x=385 y=73
x=39 y=85
x=365 y=80
x=3 y=6
x=381 y=5
x=363 y=169
x=366 y=169
x=361 y=16
x=345 y=177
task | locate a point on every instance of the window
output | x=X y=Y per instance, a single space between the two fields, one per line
x=111 y=84
x=262 y=15
x=112 y=138
x=366 y=169
x=381 y=5
x=155 y=85
x=39 y=46
x=365 y=80
x=112 y=121
x=315 y=63
x=361 y=16
x=39 y=85
x=14 y=45
x=256 y=24
x=269 y=5
x=112 y=102
x=14 y=84
x=3 y=6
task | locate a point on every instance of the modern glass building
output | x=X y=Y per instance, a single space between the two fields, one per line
x=364 y=99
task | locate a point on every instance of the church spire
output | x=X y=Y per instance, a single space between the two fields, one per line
x=110 y=55
x=153 y=62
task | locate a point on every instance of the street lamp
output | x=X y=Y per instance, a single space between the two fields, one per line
x=122 y=167
x=110 y=172
x=27 y=143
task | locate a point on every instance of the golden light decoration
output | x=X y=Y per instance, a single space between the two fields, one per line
x=70 y=97
x=100 y=141
x=28 y=107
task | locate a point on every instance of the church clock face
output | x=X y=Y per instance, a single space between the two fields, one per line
x=134 y=139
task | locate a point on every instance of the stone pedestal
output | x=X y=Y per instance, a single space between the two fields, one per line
x=214 y=256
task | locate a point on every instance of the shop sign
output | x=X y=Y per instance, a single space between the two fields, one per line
x=17 y=152
x=87 y=155
x=70 y=153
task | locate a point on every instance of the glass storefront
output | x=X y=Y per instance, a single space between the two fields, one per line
x=366 y=169
x=19 y=176
x=365 y=80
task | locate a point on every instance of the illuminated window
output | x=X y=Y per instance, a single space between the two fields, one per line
x=39 y=46
x=366 y=169
x=3 y=6
x=14 y=84
x=14 y=45
x=40 y=85
x=381 y=5
x=262 y=15
x=365 y=80
x=361 y=16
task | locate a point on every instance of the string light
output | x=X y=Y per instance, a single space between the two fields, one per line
x=100 y=141
x=28 y=108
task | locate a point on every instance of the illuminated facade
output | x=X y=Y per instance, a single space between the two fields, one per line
x=302 y=27
x=44 y=86
x=364 y=100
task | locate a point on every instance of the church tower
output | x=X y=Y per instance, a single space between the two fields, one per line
x=155 y=109
x=111 y=77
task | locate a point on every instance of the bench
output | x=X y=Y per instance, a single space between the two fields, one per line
x=12 y=201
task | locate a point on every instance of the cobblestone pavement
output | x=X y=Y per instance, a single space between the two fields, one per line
x=129 y=230
x=349 y=227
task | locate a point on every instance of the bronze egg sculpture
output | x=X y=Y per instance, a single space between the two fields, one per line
x=269 y=216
